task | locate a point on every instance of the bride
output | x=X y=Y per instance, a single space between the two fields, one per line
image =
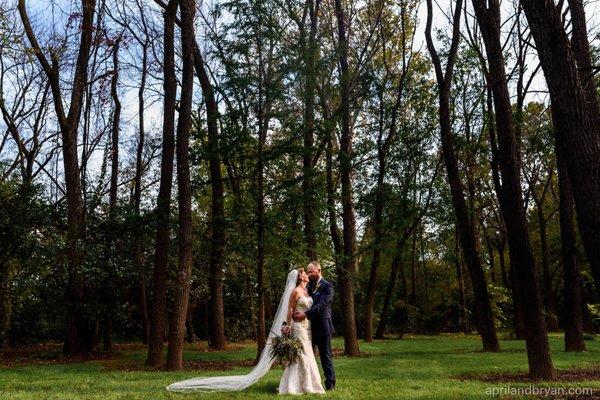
x=301 y=376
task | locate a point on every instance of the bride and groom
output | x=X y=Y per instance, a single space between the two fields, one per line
x=304 y=311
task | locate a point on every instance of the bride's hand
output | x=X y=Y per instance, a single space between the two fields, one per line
x=285 y=330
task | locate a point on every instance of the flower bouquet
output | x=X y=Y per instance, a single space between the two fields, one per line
x=285 y=349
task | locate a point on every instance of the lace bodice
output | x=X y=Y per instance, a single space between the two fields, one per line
x=304 y=303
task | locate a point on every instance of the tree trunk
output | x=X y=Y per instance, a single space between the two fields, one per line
x=511 y=204
x=184 y=267
x=77 y=339
x=461 y=287
x=575 y=118
x=114 y=176
x=345 y=159
x=216 y=330
x=482 y=306
x=311 y=55
x=502 y=262
x=389 y=292
x=163 y=209
x=550 y=303
x=572 y=277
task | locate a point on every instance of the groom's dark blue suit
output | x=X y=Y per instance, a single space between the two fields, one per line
x=322 y=326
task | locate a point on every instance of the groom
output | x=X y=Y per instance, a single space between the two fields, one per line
x=319 y=314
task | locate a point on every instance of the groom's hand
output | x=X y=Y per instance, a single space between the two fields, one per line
x=298 y=316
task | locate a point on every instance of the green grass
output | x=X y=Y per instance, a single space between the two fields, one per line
x=419 y=367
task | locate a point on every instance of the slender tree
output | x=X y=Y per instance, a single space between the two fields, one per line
x=78 y=336
x=184 y=191
x=348 y=266
x=163 y=208
x=483 y=312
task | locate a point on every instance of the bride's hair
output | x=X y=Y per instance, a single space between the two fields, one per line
x=300 y=272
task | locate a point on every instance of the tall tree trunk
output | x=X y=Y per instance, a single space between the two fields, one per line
x=581 y=52
x=389 y=292
x=216 y=330
x=511 y=204
x=572 y=277
x=550 y=303
x=163 y=208
x=348 y=218
x=114 y=176
x=575 y=118
x=311 y=55
x=519 y=319
x=138 y=258
x=77 y=337
x=482 y=306
x=501 y=246
x=333 y=226
x=376 y=259
x=184 y=122
x=262 y=121
x=461 y=287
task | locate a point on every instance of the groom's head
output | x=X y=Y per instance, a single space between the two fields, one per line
x=314 y=271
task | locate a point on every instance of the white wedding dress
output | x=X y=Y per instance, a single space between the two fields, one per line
x=302 y=376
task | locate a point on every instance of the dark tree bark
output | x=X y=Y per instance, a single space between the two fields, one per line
x=345 y=159
x=138 y=258
x=501 y=246
x=389 y=291
x=575 y=119
x=483 y=311
x=572 y=277
x=78 y=336
x=461 y=287
x=511 y=206
x=216 y=329
x=311 y=56
x=184 y=122
x=159 y=292
x=549 y=299
x=114 y=175
x=263 y=124
x=519 y=319
x=581 y=51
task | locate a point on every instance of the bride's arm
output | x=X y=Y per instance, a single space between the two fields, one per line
x=291 y=307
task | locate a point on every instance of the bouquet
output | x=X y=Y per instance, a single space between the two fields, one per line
x=285 y=349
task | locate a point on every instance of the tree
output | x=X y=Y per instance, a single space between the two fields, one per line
x=77 y=331
x=184 y=192
x=511 y=205
x=163 y=208
x=575 y=121
x=347 y=268
x=483 y=312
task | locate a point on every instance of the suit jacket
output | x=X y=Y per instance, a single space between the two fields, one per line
x=320 y=312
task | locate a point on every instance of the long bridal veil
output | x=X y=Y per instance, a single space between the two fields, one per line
x=240 y=382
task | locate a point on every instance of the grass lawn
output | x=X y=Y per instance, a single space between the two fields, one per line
x=416 y=367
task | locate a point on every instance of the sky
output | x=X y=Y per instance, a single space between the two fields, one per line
x=44 y=12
